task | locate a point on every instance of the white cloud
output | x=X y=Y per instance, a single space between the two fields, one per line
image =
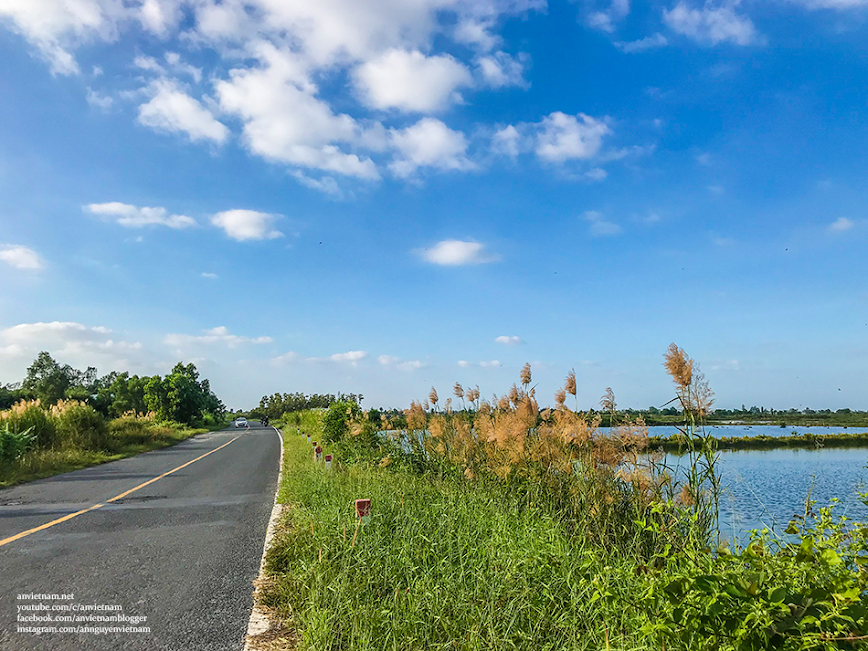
x=286 y=358
x=606 y=20
x=564 y=137
x=179 y=67
x=135 y=217
x=171 y=109
x=219 y=335
x=209 y=275
x=324 y=184
x=398 y=363
x=596 y=174
x=283 y=119
x=20 y=257
x=428 y=143
x=95 y=99
x=704 y=159
x=841 y=224
x=352 y=357
x=159 y=16
x=245 y=225
x=600 y=226
x=12 y=350
x=453 y=253
x=148 y=64
x=67 y=338
x=711 y=25
x=411 y=81
x=558 y=138
x=508 y=340
x=500 y=70
x=651 y=42
x=507 y=141
x=488 y=364
x=54 y=26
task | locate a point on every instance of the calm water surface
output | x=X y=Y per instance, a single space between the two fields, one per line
x=756 y=430
x=765 y=488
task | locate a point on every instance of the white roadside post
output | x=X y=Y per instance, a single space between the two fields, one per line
x=328 y=462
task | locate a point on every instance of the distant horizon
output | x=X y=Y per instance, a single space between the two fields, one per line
x=386 y=196
x=448 y=395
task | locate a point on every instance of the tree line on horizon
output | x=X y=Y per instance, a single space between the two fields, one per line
x=178 y=396
x=275 y=405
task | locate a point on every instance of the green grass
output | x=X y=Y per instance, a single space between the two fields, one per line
x=442 y=564
x=124 y=440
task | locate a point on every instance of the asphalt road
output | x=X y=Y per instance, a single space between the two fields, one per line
x=181 y=551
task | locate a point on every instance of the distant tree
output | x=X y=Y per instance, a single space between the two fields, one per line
x=49 y=381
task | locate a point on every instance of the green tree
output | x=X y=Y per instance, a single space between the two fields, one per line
x=48 y=380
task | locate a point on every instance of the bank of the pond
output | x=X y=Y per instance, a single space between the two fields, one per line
x=809 y=440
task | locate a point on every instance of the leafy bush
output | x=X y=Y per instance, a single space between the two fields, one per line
x=137 y=429
x=336 y=423
x=78 y=425
x=806 y=594
x=30 y=416
x=15 y=444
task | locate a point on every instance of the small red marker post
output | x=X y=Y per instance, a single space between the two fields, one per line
x=328 y=461
x=363 y=510
x=317 y=453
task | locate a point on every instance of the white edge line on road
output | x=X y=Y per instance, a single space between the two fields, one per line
x=259 y=622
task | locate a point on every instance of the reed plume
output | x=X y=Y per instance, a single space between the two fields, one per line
x=607 y=402
x=525 y=375
x=570 y=385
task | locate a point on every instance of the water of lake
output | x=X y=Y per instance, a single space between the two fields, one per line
x=755 y=430
x=766 y=488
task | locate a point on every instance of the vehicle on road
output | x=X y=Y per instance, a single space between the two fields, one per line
x=241 y=422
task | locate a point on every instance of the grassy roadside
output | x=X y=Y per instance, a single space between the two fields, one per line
x=442 y=564
x=123 y=440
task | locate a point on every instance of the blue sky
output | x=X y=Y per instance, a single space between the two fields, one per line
x=379 y=196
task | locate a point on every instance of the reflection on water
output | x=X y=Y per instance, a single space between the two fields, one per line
x=765 y=488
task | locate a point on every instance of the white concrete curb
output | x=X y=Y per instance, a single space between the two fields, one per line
x=259 y=622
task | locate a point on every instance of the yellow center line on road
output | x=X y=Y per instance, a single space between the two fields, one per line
x=70 y=516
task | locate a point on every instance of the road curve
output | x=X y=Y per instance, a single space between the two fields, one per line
x=181 y=551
